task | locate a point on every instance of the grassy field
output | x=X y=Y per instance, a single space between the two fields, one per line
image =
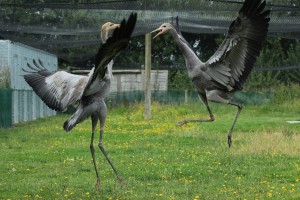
x=156 y=158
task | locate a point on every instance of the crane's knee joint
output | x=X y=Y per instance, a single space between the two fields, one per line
x=92 y=147
x=100 y=145
x=240 y=106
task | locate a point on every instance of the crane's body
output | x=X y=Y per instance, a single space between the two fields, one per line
x=61 y=89
x=226 y=71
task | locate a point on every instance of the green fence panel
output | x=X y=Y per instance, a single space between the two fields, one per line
x=5 y=108
x=179 y=97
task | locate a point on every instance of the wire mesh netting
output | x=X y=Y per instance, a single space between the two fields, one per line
x=57 y=26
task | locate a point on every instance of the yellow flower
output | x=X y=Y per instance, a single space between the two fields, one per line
x=269 y=194
x=196 y=197
x=292 y=190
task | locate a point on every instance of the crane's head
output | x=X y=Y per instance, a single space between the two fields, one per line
x=109 y=26
x=162 y=29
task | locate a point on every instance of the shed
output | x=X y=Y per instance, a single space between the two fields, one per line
x=18 y=101
x=133 y=80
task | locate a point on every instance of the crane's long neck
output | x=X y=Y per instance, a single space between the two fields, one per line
x=191 y=58
x=104 y=36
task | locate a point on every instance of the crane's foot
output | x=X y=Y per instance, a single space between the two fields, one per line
x=120 y=179
x=229 y=141
x=98 y=185
x=181 y=123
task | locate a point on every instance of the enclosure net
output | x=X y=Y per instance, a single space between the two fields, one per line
x=56 y=26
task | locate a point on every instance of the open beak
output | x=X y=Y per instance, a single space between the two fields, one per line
x=159 y=32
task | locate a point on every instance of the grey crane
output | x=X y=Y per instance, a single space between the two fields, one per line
x=60 y=89
x=225 y=72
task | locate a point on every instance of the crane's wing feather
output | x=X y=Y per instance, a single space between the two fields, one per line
x=233 y=61
x=58 y=90
x=117 y=42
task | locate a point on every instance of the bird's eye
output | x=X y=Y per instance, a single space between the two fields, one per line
x=111 y=24
x=164 y=26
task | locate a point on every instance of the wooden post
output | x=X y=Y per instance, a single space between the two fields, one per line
x=147 y=77
x=186 y=96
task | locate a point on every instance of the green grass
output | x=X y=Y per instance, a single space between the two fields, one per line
x=156 y=158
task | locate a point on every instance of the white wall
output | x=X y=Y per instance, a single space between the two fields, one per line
x=26 y=104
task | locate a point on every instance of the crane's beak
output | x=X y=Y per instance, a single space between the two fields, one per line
x=159 y=32
x=113 y=27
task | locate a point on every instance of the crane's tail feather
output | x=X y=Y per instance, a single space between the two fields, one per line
x=71 y=122
x=69 y=125
x=79 y=116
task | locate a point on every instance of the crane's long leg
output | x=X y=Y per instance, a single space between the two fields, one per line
x=240 y=107
x=94 y=124
x=102 y=116
x=211 y=116
x=108 y=159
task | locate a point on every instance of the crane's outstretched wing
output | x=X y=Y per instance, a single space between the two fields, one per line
x=233 y=61
x=117 y=42
x=58 y=90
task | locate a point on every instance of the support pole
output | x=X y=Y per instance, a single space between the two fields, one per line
x=147 y=78
x=186 y=96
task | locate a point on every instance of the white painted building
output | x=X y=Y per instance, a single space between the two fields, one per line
x=25 y=104
x=133 y=80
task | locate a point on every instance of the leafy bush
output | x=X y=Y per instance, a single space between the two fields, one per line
x=284 y=93
x=277 y=52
